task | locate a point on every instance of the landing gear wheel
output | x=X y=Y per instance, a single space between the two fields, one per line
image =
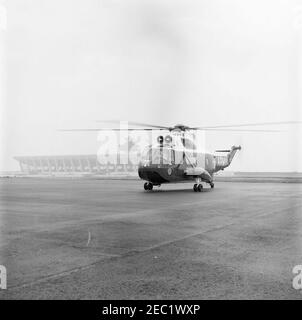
x=200 y=187
x=212 y=185
x=148 y=186
x=195 y=187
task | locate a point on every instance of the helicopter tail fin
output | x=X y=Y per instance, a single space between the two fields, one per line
x=232 y=153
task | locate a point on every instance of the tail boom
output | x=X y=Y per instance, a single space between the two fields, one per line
x=224 y=161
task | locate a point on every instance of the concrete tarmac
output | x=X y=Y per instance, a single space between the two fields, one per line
x=73 y=238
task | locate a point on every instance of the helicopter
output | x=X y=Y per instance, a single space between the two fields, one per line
x=176 y=157
x=160 y=165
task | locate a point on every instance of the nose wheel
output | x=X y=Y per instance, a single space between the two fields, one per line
x=197 y=187
x=148 y=186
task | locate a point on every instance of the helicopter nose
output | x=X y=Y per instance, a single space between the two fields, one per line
x=152 y=175
x=142 y=172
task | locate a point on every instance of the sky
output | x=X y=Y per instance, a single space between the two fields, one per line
x=68 y=63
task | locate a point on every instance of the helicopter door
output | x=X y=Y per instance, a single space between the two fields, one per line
x=201 y=161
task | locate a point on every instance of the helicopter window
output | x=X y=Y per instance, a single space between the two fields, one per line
x=155 y=155
x=168 y=156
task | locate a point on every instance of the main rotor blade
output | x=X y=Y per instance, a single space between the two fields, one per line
x=241 y=130
x=134 y=123
x=249 y=124
x=108 y=129
x=161 y=129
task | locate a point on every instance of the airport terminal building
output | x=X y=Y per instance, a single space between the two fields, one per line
x=71 y=164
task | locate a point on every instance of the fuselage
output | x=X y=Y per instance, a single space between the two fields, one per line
x=165 y=164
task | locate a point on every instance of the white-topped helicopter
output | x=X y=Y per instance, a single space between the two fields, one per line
x=176 y=158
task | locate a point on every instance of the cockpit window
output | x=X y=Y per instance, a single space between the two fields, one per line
x=159 y=156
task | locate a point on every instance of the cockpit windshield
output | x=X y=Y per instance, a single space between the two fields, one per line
x=156 y=155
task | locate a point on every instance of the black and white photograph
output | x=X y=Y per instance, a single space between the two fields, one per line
x=150 y=150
